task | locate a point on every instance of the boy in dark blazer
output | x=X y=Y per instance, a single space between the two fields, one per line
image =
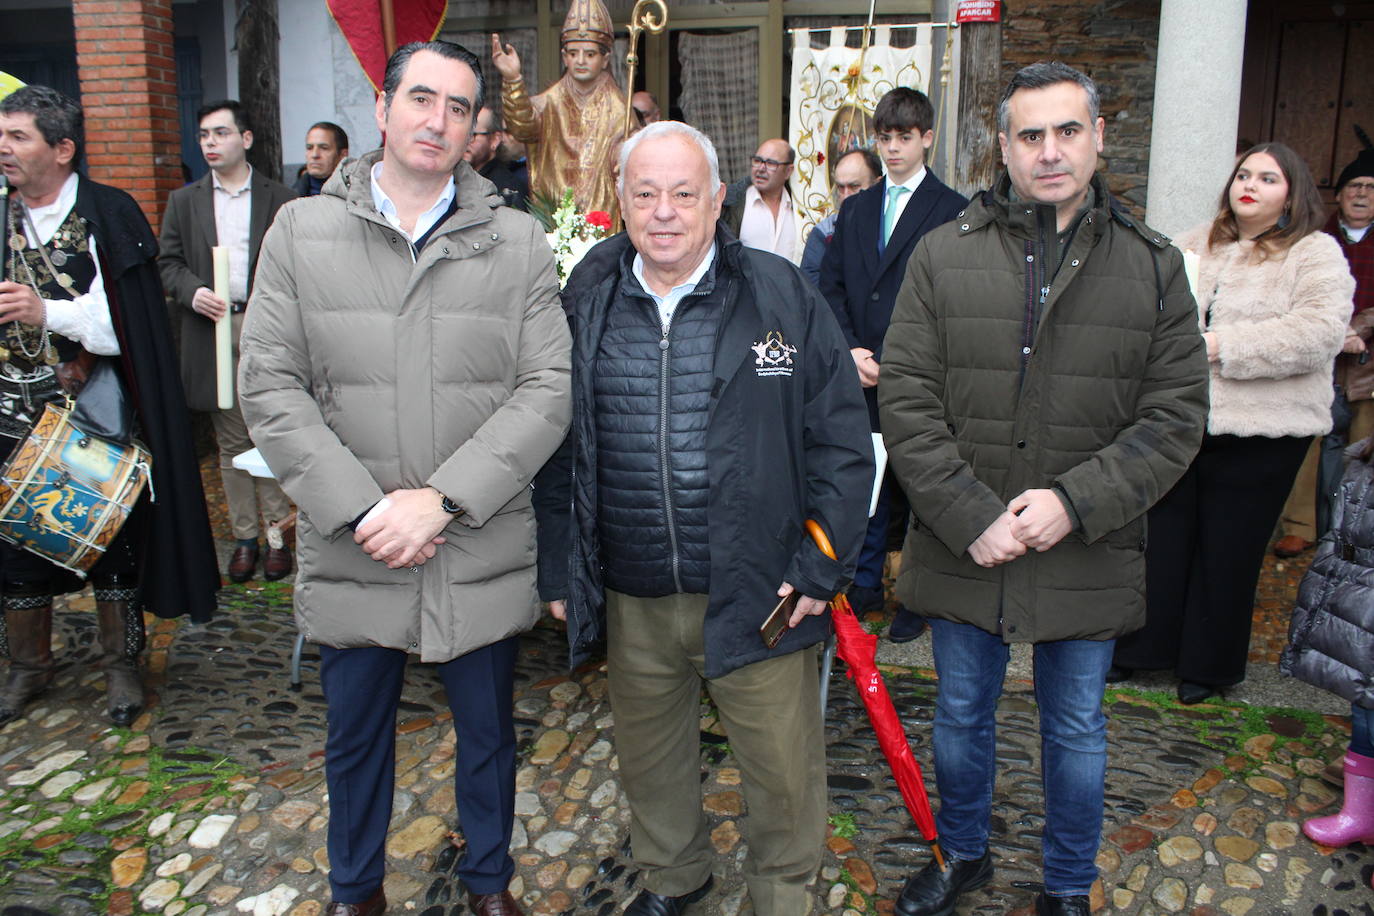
x=862 y=270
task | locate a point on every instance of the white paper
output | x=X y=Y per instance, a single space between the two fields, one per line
x=253 y=463
x=879 y=466
x=382 y=505
x=224 y=342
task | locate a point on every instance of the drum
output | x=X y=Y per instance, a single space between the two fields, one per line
x=64 y=494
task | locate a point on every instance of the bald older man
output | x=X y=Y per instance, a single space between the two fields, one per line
x=759 y=210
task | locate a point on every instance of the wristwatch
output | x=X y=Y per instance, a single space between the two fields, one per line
x=450 y=506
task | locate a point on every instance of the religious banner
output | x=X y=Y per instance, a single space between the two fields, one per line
x=834 y=92
x=361 y=24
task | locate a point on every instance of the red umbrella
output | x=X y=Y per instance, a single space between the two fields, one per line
x=858 y=649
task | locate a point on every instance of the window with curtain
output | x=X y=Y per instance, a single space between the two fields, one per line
x=719 y=73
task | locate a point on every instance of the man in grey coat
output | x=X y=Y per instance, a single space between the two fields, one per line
x=405 y=374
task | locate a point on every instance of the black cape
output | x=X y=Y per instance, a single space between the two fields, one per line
x=178 y=567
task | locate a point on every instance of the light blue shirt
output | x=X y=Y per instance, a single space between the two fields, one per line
x=669 y=303
x=427 y=219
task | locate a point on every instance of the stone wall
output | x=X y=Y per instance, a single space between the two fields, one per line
x=1114 y=42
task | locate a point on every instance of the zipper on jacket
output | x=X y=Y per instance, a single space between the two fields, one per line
x=665 y=474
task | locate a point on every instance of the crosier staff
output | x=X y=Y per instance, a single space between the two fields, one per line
x=650 y=15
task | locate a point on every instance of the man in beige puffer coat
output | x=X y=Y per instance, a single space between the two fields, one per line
x=405 y=372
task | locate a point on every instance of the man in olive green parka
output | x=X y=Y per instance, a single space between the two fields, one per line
x=1044 y=384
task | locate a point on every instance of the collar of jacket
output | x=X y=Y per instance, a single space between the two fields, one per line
x=476 y=196
x=994 y=206
x=609 y=258
x=124 y=241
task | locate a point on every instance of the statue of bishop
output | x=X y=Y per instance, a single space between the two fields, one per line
x=573 y=129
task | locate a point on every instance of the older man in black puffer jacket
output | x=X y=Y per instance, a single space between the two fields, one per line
x=716 y=409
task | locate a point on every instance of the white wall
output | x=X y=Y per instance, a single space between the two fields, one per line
x=320 y=81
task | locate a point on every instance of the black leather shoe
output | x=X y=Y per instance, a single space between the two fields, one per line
x=502 y=904
x=1045 y=905
x=1116 y=674
x=1190 y=693
x=906 y=626
x=372 y=906
x=933 y=892
x=650 y=904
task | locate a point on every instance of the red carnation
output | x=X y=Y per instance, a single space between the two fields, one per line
x=600 y=219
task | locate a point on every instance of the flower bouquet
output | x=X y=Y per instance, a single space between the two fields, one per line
x=571 y=234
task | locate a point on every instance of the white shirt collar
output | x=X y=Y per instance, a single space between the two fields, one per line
x=47 y=220
x=752 y=196
x=667 y=304
x=912 y=183
x=427 y=219
x=219 y=186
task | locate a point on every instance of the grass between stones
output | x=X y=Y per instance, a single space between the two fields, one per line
x=145 y=781
x=1229 y=727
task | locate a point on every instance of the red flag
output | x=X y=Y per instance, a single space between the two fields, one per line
x=361 y=24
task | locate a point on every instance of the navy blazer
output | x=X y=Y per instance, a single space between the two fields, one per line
x=860 y=284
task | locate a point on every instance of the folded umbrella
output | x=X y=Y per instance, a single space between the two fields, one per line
x=859 y=649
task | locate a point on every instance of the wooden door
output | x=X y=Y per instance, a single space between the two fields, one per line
x=1306 y=81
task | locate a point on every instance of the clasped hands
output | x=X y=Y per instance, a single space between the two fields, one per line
x=1034 y=520
x=407 y=532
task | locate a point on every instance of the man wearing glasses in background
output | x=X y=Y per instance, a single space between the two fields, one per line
x=758 y=209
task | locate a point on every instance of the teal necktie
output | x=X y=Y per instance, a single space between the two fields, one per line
x=894 y=194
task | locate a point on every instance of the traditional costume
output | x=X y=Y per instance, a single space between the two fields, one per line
x=90 y=257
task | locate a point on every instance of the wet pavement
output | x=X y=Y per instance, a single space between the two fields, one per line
x=214 y=801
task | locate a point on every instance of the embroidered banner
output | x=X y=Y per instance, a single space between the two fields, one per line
x=834 y=92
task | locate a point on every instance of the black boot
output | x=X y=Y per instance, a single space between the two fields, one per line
x=28 y=639
x=121 y=641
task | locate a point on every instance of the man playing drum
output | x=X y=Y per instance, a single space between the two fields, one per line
x=80 y=282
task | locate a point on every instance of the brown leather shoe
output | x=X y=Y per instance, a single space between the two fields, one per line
x=372 y=906
x=502 y=904
x=1290 y=545
x=242 y=563
x=276 y=564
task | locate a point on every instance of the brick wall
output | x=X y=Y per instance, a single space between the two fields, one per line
x=1114 y=42
x=128 y=89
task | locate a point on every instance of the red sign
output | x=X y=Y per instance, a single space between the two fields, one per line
x=979 y=11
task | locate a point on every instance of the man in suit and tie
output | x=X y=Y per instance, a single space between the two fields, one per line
x=862 y=270
x=232 y=206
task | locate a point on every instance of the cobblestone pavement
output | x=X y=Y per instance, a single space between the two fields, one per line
x=214 y=802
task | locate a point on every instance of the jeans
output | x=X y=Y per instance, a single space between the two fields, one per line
x=1362 y=730
x=1070 y=677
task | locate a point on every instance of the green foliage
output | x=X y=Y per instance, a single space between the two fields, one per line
x=843 y=825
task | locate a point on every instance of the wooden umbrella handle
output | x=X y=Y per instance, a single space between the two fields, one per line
x=817 y=533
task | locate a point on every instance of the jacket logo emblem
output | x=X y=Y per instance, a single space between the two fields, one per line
x=773 y=356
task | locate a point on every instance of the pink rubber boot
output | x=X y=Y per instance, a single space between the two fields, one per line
x=1355 y=823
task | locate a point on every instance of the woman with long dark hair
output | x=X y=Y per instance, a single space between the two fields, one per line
x=1274 y=295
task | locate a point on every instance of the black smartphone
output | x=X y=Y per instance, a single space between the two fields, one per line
x=776 y=624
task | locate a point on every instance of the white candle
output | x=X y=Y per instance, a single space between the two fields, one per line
x=1191 y=264
x=224 y=332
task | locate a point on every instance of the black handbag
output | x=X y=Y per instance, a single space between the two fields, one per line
x=103 y=407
